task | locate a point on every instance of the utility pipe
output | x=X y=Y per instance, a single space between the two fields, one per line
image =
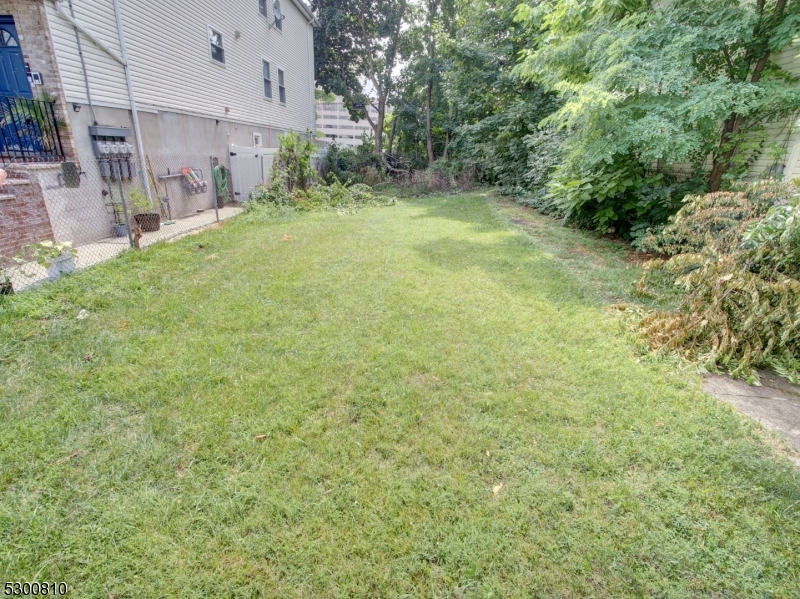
x=122 y=59
x=143 y=172
x=83 y=65
x=64 y=12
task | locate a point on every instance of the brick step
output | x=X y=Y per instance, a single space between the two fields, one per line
x=7 y=191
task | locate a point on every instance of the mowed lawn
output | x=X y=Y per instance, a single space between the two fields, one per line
x=422 y=400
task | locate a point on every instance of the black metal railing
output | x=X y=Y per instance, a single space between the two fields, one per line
x=29 y=131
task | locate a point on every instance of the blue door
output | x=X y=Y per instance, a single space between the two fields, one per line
x=13 y=77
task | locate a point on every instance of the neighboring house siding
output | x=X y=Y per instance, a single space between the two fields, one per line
x=785 y=133
x=170 y=63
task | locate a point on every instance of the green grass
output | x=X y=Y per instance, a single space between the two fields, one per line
x=398 y=365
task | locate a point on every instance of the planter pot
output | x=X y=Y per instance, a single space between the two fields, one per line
x=120 y=230
x=63 y=265
x=149 y=222
x=6 y=288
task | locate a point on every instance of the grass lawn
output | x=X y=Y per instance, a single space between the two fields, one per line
x=425 y=400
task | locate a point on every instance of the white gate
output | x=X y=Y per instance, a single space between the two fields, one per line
x=250 y=166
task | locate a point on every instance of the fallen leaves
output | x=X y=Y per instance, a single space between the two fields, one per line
x=88 y=357
x=67 y=458
x=286 y=238
x=497 y=488
x=261 y=437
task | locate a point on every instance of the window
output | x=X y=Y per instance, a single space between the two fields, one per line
x=7 y=39
x=257 y=140
x=267 y=79
x=281 y=87
x=262 y=7
x=276 y=8
x=215 y=45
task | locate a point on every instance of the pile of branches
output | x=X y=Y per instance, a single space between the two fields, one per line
x=736 y=259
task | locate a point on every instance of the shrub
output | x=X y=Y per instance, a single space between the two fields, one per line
x=318 y=197
x=294 y=160
x=741 y=296
x=353 y=165
x=618 y=195
x=720 y=217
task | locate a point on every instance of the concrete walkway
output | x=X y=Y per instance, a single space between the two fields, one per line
x=775 y=404
x=31 y=274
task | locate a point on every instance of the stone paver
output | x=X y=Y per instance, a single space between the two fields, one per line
x=775 y=404
x=93 y=253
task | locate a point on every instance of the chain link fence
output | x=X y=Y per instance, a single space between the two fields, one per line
x=58 y=217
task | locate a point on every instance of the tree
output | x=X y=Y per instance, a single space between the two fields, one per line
x=358 y=42
x=680 y=81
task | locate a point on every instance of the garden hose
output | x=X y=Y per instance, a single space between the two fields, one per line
x=221 y=182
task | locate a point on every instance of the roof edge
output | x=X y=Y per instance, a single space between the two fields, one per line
x=301 y=6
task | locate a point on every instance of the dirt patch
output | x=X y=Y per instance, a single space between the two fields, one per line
x=583 y=251
x=424 y=380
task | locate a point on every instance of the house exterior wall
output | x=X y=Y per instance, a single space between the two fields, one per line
x=35 y=40
x=171 y=66
x=786 y=133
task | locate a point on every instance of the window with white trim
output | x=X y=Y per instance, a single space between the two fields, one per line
x=215 y=45
x=281 y=87
x=266 y=74
x=262 y=7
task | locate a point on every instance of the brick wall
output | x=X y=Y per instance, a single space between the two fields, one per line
x=23 y=215
x=30 y=20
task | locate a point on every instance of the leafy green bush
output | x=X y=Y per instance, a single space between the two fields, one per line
x=318 y=197
x=353 y=165
x=294 y=160
x=735 y=257
x=544 y=155
x=618 y=195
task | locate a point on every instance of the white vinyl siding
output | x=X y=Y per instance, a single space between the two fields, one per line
x=785 y=133
x=168 y=49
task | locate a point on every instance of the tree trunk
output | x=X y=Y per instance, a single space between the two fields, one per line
x=432 y=9
x=446 y=145
x=428 y=131
x=734 y=123
x=379 y=125
x=391 y=134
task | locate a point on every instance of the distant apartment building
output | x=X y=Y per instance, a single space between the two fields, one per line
x=333 y=120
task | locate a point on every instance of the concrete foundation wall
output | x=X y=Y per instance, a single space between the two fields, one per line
x=76 y=215
x=172 y=141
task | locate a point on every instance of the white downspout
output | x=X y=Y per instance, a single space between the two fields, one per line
x=65 y=12
x=123 y=60
x=143 y=173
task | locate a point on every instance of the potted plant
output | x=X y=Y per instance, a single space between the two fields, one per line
x=120 y=229
x=142 y=209
x=57 y=258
